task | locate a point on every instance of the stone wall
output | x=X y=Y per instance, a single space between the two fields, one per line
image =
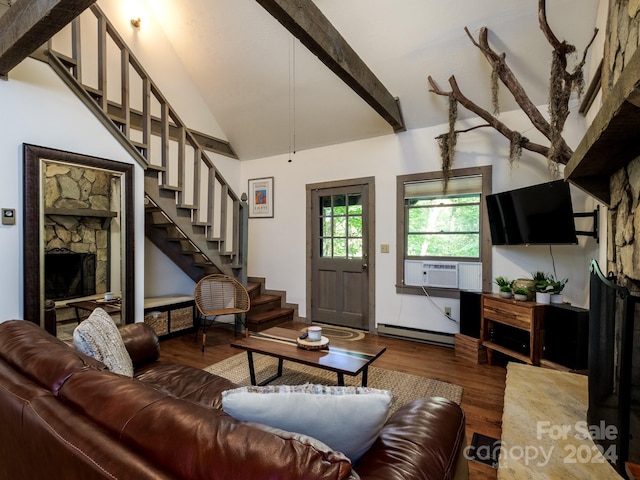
x=623 y=36
x=76 y=199
x=623 y=253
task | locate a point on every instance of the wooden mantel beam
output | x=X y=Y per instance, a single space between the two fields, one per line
x=309 y=25
x=30 y=23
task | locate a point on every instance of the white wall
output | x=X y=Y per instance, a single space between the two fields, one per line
x=151 y=47
x=41 y=110
x=277 y=246
x=162 y=276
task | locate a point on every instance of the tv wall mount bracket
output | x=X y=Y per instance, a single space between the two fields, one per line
x=594 y=231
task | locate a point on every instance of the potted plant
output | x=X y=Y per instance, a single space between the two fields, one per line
x=542 y=287
x=527 y=284
x=557 y=287
x=506 y=287
x=521 y=294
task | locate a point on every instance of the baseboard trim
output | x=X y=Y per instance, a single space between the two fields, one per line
x=426 y=336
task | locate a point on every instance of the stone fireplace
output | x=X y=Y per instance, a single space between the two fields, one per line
x=77 y=230
x=606 y=164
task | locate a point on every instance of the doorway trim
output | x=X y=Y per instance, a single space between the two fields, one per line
x=371 y=250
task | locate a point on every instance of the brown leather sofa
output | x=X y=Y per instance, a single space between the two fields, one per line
x=63 y=415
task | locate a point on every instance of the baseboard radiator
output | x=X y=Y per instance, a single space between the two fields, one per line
x=427 y=336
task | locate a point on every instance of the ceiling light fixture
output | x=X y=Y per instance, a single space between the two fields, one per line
x=135 y=22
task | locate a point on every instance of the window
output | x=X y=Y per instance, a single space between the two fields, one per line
x=443 y=225
x=341 y=226
x=433 y=225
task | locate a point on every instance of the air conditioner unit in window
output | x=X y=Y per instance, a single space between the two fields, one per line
x=440 y=274
x=427 y=273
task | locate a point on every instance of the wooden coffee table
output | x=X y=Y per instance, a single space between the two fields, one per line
x=342 y=357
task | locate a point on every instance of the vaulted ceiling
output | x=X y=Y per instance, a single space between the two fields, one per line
x=270 y=95
x=242 y=59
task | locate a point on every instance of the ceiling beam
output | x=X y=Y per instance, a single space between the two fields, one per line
x=29 y=23
x=309 y=25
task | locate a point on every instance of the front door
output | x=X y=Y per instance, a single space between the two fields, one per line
x=339 y=251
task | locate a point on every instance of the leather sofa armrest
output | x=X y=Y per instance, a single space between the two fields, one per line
x=421 y=440
x=141 y=342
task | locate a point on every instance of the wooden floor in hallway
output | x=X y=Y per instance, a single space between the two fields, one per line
x=483 y=385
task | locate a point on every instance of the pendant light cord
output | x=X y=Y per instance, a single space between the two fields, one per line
x=292 y=97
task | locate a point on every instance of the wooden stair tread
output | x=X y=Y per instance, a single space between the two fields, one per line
x=264 y=298
x=172 y=188
x=269 y=315
x=253 y=289
x=203 y=264
x=187 y=206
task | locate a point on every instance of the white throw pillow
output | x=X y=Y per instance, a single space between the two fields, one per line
x=348 y=419
x=98 y=337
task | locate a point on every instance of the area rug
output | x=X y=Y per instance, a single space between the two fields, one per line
x=403 y=386
x=340 y=333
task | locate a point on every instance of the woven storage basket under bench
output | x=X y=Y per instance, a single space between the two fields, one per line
x=169 y=315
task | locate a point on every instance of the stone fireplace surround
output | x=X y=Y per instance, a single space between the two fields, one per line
x=78 y=214
x=606 y=164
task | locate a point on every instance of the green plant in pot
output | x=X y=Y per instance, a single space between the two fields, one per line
x=527 y=284
x=505 y=286
x=556 y=288
x=542 y=287
x=521 y=294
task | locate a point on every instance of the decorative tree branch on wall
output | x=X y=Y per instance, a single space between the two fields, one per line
x=562 y=83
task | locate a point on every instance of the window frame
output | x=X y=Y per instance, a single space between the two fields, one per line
x=401 y=231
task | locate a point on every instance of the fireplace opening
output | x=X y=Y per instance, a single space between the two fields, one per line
x=69 y=275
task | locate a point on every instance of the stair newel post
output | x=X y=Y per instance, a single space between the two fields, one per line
x=243 y=251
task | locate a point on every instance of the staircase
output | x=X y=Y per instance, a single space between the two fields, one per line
x=191 y=213
x=268 y=308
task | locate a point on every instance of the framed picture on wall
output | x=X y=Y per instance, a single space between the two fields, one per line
x=261 y=197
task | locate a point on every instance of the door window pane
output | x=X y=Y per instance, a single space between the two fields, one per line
x=341 y=226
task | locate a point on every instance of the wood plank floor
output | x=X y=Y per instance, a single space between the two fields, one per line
x=482 y=400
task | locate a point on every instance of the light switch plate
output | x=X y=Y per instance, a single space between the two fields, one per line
x=8 y=216
x=384 y=248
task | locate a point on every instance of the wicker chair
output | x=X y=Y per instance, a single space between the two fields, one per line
x=217 y=295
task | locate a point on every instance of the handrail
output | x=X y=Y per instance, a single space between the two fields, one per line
x=174 y=138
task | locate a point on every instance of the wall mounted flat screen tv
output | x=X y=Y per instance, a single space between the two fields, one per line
x=536 y=215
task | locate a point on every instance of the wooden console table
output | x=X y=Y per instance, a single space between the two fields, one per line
x=524 y=316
